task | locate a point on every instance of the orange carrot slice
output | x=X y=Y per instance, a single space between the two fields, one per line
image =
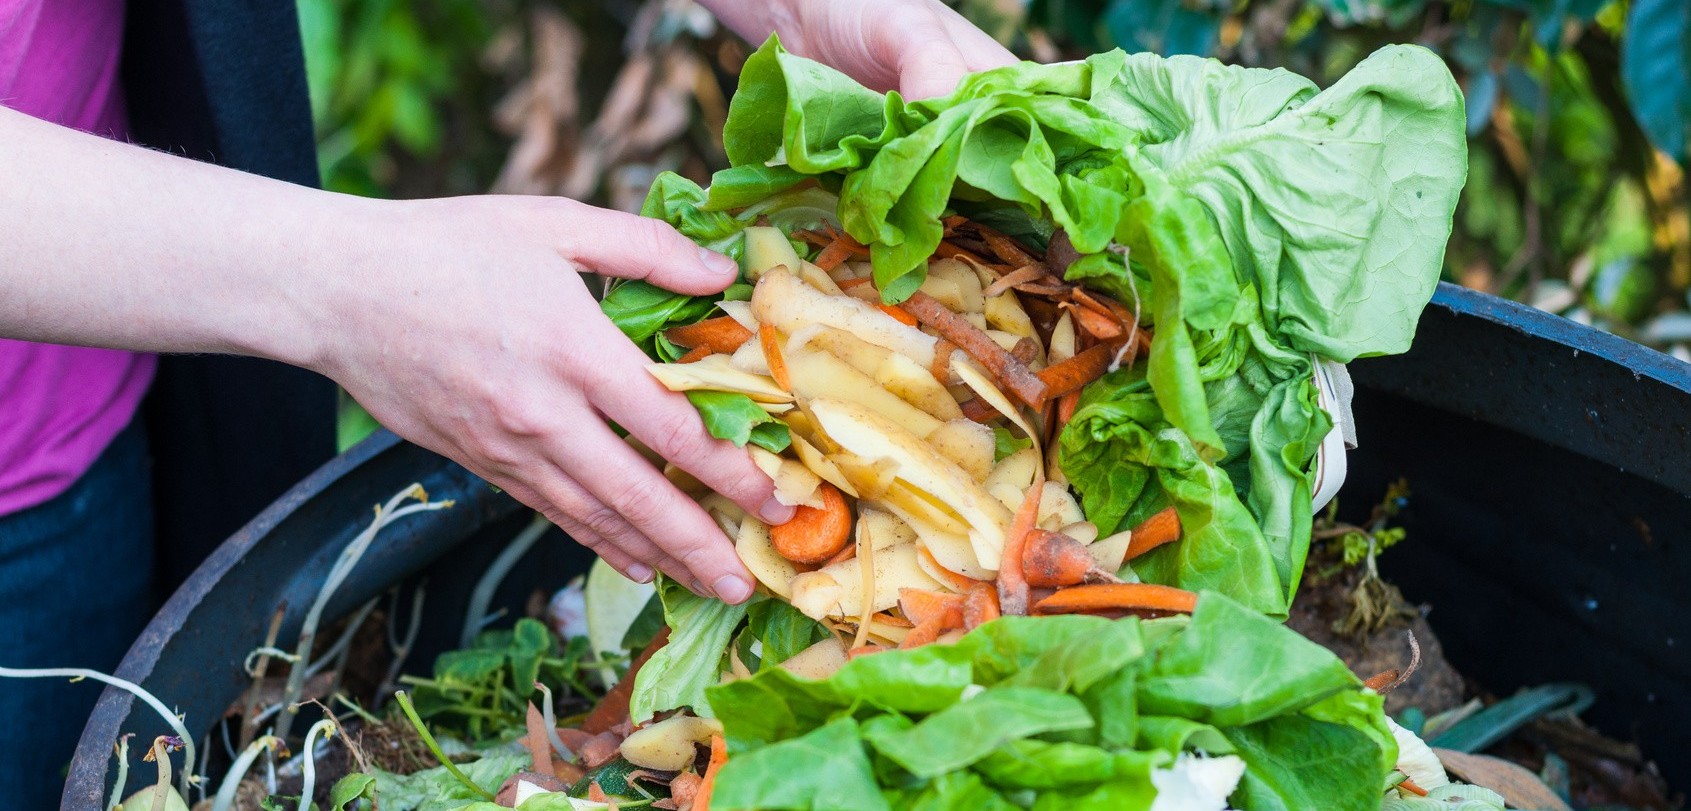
x=721 y=334
x=814 y=535
x=832 y=256
x=1012 y=584
x=921 y=605
x=1155 y=531
x=718 y=756
x=772 y=355
x=1113 y=597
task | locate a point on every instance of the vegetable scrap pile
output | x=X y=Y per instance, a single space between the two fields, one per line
x=1256 y=225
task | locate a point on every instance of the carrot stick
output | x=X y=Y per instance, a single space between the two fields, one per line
x=849 y=284
x=887 y=619
x=902 y=315
x=613 y=708
x=1074 y=373
x=1380 y=681
x=718 y=756
x=1012 y=585
x=928 y=631
x=772 y=355
x=1052 y=559
x=1011 y=373
x=831 y=257
x=1409 y=786
x=695 y=355
x=921 y=605
x=814 y=535
x=722 y=334
x=1107 y=597
x=1155 y=531
x=864 y=650
x=980 y=605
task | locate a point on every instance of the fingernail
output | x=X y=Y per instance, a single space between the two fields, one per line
x=717 y=262
x=774 y=512
x=640 y=573
x=732 y=589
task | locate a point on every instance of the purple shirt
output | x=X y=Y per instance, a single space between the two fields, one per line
x=60 y=406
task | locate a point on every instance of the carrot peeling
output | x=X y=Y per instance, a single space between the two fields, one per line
x=864 y=650
x=900 y=314
x=978 y=410
x=1052 y=559
x=1118 y=597
x=948 y=250
x=1010 y=372
x=850 y=284
x=771 y=344
x=721 y=334
x=1409 y=786
x=695 y=355
x=849 y=552
x=538 y=743
x=1095 y=323
x=1164 y=527
x=956 y=581
x=1012 y=584
x=980 y=605
x=1008 y=251
x=718 y=756
x=814 y=535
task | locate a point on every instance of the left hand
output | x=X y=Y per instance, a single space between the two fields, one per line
x=920 y=48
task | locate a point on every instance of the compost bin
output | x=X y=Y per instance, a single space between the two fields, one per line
x=1550 y=529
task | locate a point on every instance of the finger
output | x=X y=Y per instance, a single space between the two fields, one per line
x=628 y=486
x=671 y=426
x=978 y=49
x=568 y=505
x=613 y=243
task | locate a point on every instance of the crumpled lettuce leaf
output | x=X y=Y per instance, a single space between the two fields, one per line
x=677 y=675
x=738 y=419
x=1251 y=219
x=1060 y=712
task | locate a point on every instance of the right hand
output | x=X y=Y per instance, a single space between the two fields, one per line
x=464 y=326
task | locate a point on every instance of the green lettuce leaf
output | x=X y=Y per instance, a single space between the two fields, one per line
x=822 y=770
x=738 y=419
x=677 y=675
x=970 y=730
x=1294 y=762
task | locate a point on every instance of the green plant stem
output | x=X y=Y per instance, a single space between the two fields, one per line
x=434 y=747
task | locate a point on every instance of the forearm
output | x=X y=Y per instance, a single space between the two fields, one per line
x=109 y=244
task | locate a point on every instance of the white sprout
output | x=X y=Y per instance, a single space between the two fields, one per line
x=551 y=718
x=78 y=674
x=349 y=557
x=482 y=596
x=122 y=751
x=238 y=771
x=308 y=760
x=250 y=664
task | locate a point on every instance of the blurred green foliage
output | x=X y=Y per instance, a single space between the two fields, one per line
x=1576 y=200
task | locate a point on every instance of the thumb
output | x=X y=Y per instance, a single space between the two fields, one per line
x=932 y=70
x=627 y=246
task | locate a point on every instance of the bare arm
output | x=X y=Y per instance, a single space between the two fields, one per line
x=462 y=323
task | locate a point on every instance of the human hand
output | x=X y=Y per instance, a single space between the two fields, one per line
x=918 y=47
x=466 y=328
